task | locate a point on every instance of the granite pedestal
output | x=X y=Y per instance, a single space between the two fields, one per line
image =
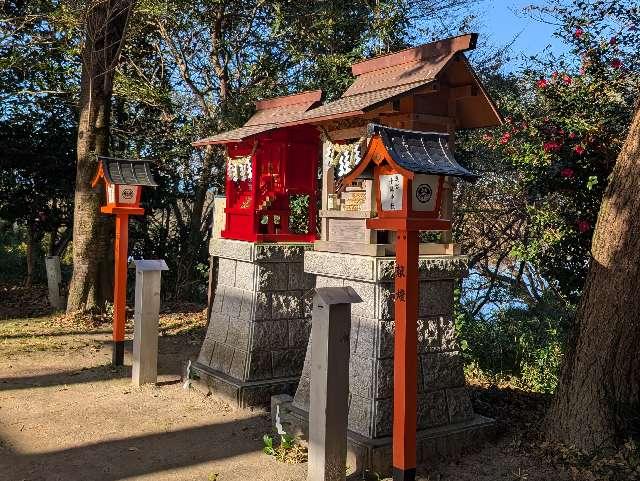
x=446 y=421
x=260 y=322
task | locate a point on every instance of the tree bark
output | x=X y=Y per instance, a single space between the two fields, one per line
x=598 y=396
x=106 y=23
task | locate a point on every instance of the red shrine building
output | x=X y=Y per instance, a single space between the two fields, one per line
x=266 y=167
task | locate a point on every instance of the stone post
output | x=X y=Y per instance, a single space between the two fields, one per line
x=329 y=391
x=145 y=330
x=54 y=281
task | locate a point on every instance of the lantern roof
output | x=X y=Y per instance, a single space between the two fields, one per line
x=420 y=152
x=125 y=172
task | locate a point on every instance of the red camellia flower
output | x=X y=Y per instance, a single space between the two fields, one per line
x=567 y=80
x=578 y=33
x=583 y=226
x=572 y=135
x=579 y=149
x=551 y=146
x=542 y=83
x=554 y=75
x=505 y=138
x=616 y=63
x=567 y=172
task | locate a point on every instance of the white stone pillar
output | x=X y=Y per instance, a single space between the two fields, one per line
x=145 y=330
x=329 y=393
x=54 y=281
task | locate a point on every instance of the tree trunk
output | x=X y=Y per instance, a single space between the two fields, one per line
x=598 y=394
x=106 y=24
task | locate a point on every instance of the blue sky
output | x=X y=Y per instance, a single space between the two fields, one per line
x=500 y=21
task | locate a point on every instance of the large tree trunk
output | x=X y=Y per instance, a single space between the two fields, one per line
x=598 y=395
x=106 y=23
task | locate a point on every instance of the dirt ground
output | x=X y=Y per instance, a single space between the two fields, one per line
x=66 y=414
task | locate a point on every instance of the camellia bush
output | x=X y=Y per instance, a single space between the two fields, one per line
x=563 y=141
x=527 y=224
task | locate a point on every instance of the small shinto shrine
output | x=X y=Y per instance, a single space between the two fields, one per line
x=267 y=168
x=386 y=152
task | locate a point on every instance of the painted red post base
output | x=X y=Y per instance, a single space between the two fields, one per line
x=405 y=358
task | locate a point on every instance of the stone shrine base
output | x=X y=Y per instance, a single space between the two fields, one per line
x=241 y=394
x=374 y=455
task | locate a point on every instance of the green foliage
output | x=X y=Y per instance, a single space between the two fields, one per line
x=289 y=450
x=525 y=345
x=299 y=220
x=566 y=121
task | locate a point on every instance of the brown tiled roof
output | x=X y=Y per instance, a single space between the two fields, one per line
x=358 y=103
x=270 y=114
x=378 y=80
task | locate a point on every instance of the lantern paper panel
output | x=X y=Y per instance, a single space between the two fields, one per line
x=391 y=191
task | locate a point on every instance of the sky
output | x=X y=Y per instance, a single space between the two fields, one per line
x=502 y=20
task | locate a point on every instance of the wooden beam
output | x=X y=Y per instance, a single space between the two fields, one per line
x=349 y=133
x=463 y=91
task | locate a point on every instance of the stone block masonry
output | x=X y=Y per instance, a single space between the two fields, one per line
x=257 y=337
x=444 y=407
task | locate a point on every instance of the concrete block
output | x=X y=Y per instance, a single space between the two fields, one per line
x=360 y=413
x=386 y=331
x=287 y=305
x=386 y=301
x=436 y=298
x=296 y=276
x=232 y=301
x=344 y=266
x=287 y=362
x=226 y=272
x=432 y=410
x=245 y=275
x=367 y=291
x=384 y=378
x=259 y=366
x=270 y=335
x=222 y=357
x=459 y=405
x=428 y=339
x=367 y=334
x=383 y=418
x=262 y=306
x=218 y=327
x=238 y=364
x=448 y=334
x=299 y=330
x=442 y=370
x=273 y=276
x=361 y=375
x=238 y=334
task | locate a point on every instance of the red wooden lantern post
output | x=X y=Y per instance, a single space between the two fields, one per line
x=123 y=181
x=408 y=169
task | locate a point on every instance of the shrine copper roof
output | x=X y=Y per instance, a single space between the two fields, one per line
x=421 y=152
x=270 y=114
x=378 y=81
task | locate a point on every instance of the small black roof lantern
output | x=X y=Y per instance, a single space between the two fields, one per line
x=128 y=171
x=421 y=152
